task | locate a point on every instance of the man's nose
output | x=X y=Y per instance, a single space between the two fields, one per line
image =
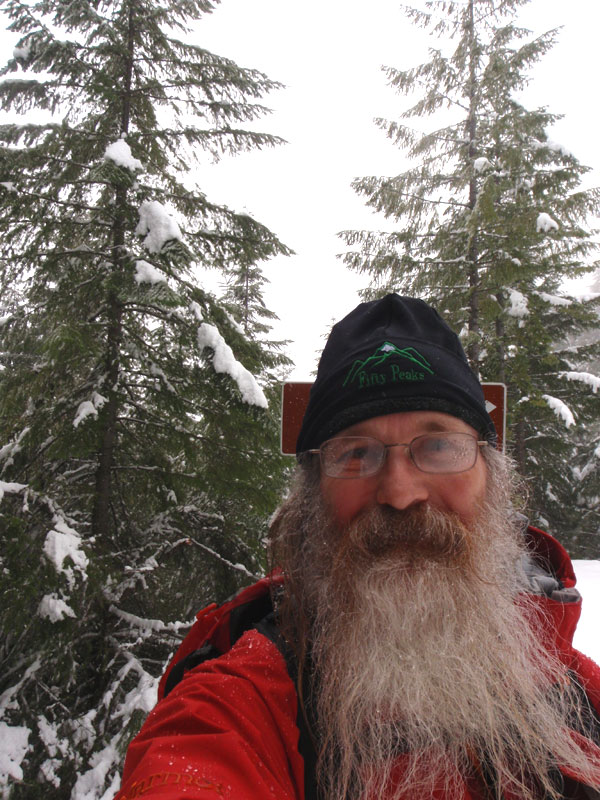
x=401 y=485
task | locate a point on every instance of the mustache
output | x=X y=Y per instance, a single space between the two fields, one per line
x=414 y=533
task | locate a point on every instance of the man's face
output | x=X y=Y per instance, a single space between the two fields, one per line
x=400 y=484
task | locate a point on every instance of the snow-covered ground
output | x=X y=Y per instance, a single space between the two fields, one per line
x=587 y=638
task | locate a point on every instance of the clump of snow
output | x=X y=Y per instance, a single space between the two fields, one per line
x=225 y=362
x=147 y=273
x=234 y=324
x=481 y=163
x=84 y=734
x=89 y=783
x=22 y=52
x=89 y=408
x=10 y=450
x=10 y=488
x=9 y=698
x=584 y=377
x=545 y=223
x=196 y=311
x=160 y=373
x=55 y=609
x=555 y=299
x=556 y=147
x=144 y=625
x=518 y=304
x=8 y=185
x=48 y=769
x=62 y=543
x=561 y=409
x=49 y=735
x=14 y=744
x=156 y=225
x=120 y=153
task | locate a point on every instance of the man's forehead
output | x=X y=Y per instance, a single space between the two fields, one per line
x=415 y=422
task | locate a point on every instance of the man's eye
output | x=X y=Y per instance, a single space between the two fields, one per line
x=439 y=446
x=438 y=443
x=354 y=454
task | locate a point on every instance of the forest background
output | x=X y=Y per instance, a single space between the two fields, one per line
x=140 y=375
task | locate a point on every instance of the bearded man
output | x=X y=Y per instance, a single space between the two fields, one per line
x=418 y=644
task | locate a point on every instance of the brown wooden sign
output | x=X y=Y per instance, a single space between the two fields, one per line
x=295 y=400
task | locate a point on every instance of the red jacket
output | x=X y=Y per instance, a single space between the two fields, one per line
x=228 y=728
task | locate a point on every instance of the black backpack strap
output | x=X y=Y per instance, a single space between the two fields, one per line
x=241 y=619
x=193 y=659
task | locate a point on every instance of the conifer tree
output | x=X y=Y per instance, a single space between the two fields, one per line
x=138 y=454
x=486 y=223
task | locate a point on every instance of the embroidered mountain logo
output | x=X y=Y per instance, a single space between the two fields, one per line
x=376 y=370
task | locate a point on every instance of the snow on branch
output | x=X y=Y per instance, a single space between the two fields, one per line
x=555 y=147
x=562 y=411
x=147 y=273
x=238 y=567
x=10 y=450
x=518 y=304
x=555 y=299
x=225 y=362
x=62 y=543
x=147 y=626
x=54 y=608
x=584 y=377
x=10 y=488
x=14 y=745
x=89 y=408
x=8 y=699
x=545 y=223
x=157 y=225
x=481 y=164
x=105 y=764
x=120 y=153
x=90 y=784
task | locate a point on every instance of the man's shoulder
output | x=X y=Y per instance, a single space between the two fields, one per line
x=548 y=554
x=218 y=628
x=253 y=668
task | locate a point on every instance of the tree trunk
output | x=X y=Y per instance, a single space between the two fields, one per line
x=500 y=333
x=519 y=447
x=473 y=347
x=114 y=337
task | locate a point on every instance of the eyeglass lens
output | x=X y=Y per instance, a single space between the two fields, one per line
x=361 y=456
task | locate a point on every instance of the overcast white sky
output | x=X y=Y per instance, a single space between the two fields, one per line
x=329 y=54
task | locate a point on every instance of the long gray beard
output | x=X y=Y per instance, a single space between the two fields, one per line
x=426 y=666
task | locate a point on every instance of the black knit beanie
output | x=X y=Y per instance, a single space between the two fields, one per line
x=393 y=354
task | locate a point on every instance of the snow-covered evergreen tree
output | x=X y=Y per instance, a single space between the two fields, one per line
x=138 y=454
x=486 y=223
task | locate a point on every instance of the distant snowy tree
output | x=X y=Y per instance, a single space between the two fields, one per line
x=138 y=451
x=487 y=223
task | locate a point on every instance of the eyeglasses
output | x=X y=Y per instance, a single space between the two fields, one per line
x=362 y=456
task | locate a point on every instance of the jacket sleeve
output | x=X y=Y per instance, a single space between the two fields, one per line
x=228 y=730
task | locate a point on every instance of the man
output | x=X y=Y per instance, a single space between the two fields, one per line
x=420 y=645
